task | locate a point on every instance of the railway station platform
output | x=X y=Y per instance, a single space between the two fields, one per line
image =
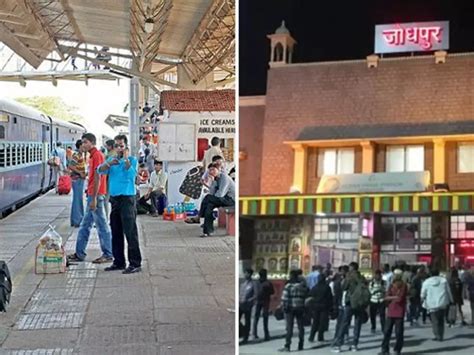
x=181 y=303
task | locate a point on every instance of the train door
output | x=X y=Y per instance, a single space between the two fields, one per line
x=48 y=147
x=44 y=141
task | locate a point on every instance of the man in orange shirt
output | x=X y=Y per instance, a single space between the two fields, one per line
x=95 y=209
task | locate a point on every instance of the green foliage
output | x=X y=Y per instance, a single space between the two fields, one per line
x=53 y=106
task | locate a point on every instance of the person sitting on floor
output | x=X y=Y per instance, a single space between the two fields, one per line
x=156 y=189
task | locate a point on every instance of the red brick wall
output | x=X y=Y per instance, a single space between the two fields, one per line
x=401 y=91
x=251 y=141
x=455 y=180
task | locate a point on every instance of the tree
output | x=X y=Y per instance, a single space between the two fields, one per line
x=53 y=106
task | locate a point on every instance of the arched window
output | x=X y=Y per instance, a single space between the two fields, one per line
x=278 y=57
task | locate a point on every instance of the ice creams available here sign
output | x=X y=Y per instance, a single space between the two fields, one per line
x=218 y=126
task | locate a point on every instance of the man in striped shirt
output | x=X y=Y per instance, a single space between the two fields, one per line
x=377 y=289
x=77 y=170
x=292 y=301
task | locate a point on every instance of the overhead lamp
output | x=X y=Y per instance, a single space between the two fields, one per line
x=149 y=24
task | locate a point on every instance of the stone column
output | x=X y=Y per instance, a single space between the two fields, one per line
x=439 y=161
x=368 y=157
x=300 y=167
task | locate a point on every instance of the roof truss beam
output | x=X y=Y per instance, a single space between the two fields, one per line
x=145 y=46
x=212 y=42
x=12 y=41
x=129 y=71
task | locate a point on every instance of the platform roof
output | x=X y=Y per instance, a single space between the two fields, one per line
x=200 y=33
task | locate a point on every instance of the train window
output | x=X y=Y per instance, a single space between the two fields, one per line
x=14 y=119
x=20 y=153
x=13 y=150
x=2 y=132
x=40 y=152
x=8 y=155
x=2 y=156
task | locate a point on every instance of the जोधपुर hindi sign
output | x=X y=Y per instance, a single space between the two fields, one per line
x=412 y=37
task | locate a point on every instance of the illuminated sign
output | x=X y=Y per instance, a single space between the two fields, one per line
x=412 y=37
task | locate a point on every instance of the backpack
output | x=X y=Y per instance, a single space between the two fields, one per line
x=5 y=286
x=360 y=298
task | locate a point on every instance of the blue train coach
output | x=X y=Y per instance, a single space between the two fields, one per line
x=27 y=137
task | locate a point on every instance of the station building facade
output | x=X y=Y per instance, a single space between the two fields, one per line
x=405 y=121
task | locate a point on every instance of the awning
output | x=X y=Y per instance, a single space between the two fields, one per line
x=367 y=203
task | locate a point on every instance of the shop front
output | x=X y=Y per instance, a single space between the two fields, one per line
x=295 y=232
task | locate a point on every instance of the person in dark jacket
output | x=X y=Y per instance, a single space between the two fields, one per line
x=414 y=294
x=349 y=285
x=265 y=292
x=338 y=301
x=321 y=305
x=247 y=297
x=292 y=302
x=468 y=279
x=457 y=289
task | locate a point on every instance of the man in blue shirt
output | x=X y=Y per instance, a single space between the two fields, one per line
x=122 y=171
x=313 y=277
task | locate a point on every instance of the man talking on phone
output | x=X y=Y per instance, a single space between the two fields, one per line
x=122 y=171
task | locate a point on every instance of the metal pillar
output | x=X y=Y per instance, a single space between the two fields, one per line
x=134 y=116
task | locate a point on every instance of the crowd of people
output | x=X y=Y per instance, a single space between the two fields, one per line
x=120 y=186
x=392 y=296
x=110 y=179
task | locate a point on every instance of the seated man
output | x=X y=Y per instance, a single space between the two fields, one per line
x=206 y=178
x=221 y=194
x=156 y=188
x=143 y=174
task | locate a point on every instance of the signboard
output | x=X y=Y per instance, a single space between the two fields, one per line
x=377 y=182
x=177 y=142
x=177 y=172
x=412 y=37
x=216 y=126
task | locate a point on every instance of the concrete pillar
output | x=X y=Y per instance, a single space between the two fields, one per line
x=300 y=167
x=368 y=157
x=439 y=161
x=134 y=132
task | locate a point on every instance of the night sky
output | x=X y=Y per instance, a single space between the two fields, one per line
x=336 y=29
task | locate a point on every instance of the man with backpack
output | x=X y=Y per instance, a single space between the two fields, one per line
x=357 y=298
